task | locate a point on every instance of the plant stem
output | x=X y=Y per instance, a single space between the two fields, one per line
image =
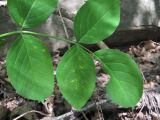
x=58 y=38
x=45 y=35
x=10 y=33
x=50 y=36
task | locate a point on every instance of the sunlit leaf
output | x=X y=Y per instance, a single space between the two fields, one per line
x=76 y=76
x=29 y=67
x=96 y=20
x=29 y=13
x=126 y=85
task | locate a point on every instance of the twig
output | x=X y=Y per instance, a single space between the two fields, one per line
x=139 y=112
x=65 y=14
x=74 y=111
x=100 y=103
x=156 y=89
x=32 y=111
x=84 y=115
x=5 y=80
x=102 y=45
x=99 y=108
x=64 y=25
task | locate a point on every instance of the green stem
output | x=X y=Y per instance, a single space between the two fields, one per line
x=9 y=34
x=35 y=33
x=44 y=35
x=56 y=37
x=50 y=36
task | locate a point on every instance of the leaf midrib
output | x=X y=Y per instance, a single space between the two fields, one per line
x=30 y=63
x=116 y=81
x=23 y=25
x=133 y=74
x=66 y=64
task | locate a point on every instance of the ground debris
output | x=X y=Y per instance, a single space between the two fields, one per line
x=3 y=112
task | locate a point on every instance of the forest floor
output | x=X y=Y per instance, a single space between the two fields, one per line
x=146 y=54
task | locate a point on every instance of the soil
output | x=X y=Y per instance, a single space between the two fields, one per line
x=146 y=54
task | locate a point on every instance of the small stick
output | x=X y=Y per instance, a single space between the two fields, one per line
x=64 y=26
x=84 y=115
x=102 y=45
x=61 y=117
x=32 y=111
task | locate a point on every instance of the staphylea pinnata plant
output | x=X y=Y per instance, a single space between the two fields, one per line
x=29 y=64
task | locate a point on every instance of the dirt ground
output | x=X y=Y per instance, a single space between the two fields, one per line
x=146 y=54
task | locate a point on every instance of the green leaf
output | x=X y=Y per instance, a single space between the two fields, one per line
x=29 y=67
x=96 y=20
x=76 y=76
x=126 y=84
x=30 y=13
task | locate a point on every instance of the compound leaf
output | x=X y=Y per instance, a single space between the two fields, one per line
x=96 y=20
x=30 y=13
x=29 y=67
x=76 y=76
x=126 y=84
